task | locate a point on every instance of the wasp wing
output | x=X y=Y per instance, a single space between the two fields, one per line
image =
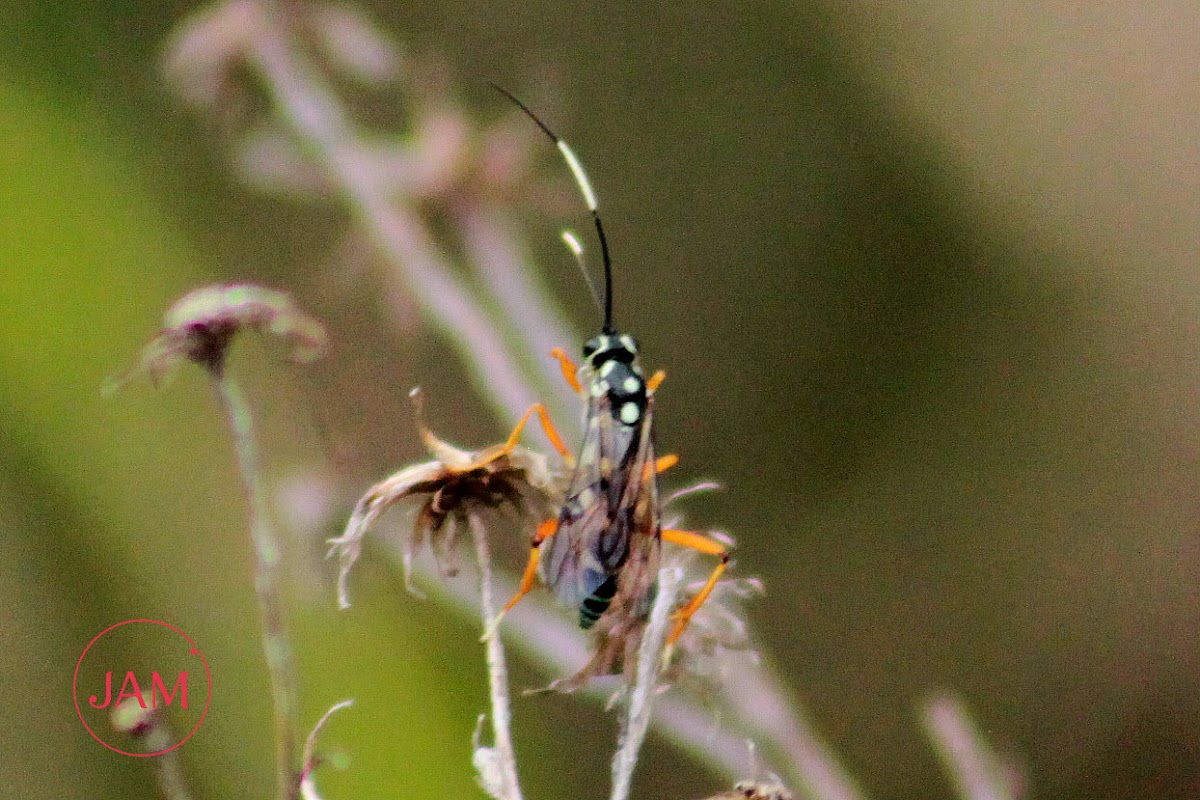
x=606 y=503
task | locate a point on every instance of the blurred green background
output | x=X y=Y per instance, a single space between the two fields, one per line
x=923 y=278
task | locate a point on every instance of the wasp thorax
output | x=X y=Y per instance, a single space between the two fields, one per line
x=616 y=374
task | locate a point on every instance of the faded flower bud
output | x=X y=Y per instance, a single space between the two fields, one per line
x=201 y=325
x=136 y=716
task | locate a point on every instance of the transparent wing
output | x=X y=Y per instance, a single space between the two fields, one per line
x=603 y=502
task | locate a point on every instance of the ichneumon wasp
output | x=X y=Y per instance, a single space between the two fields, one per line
x=602 y=550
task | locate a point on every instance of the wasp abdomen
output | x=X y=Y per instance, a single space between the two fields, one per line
x=597 y=602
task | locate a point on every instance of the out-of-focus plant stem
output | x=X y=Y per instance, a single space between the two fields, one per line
x=267 y=558
x=321 y=125
x=510 y=787
x=167 y=772
x=977 y=772
x=502 y=267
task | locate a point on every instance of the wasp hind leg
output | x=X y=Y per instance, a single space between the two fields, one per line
x=544 y=532
x=705 y=545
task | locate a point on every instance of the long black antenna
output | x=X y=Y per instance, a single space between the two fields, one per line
x=589 y=197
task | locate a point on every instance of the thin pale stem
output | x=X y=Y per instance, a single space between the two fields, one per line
x=503 y=270
x=542 y=634
x=277 y=648
x=641 y=694
x=307 y=103
x=167 y=771
x=510 y=787
x=976 y=771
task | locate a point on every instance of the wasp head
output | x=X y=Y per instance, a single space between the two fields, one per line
x=616 y=346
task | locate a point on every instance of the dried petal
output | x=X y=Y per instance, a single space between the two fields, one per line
x=378 y=499
x=704 y=653
x=308 y=787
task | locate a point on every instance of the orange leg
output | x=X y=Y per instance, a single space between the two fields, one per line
x=655 y=381
x=544 y=532
x=492 y=453
x=569 y=370
x=661 y=465
x=704 y=545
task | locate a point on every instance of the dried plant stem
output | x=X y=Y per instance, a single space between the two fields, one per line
x=641 y=694
x=509 y=788
x=267 y=561
x=167 y=771
x=544 y=635
x=757 y=698
x=977 y=772
x=308 y=788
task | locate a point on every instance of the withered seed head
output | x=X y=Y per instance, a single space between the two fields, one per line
x=456 y=484
x=201 y=325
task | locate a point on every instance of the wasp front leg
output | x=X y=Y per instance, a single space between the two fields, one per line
x=544 y=532
x=705 y=545
x=489 y=455
x=569 y=370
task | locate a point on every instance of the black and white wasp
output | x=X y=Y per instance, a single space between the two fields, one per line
x=601 y=553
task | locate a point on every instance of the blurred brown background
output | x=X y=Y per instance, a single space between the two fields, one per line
x=924 y=281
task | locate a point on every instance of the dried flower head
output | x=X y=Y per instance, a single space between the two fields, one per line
x=136 y=716
x=718 y=630
x=454 y=485
x=767 y=786
x=201 y=325
x=756 y=790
